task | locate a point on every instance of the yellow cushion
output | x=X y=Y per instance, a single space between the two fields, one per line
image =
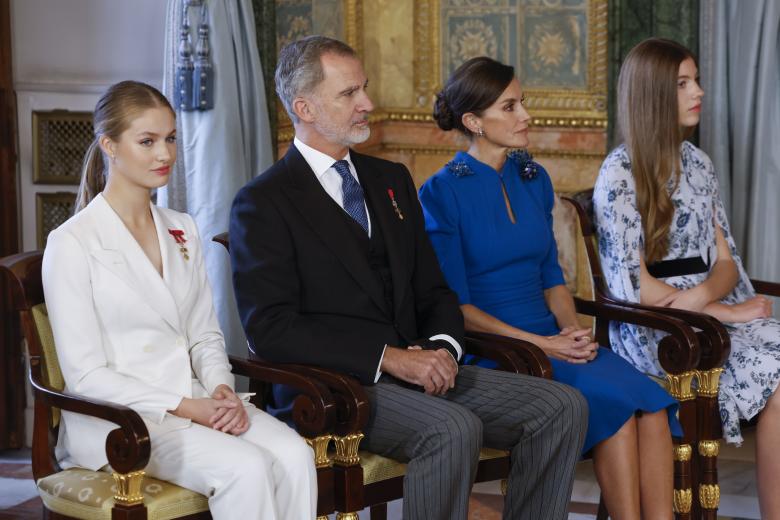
x=52 y=375
x=377 y=468
x=81 y=493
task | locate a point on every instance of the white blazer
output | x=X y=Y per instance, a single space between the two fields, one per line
x=125 y=334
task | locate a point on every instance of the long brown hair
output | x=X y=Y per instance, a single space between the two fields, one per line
x=648 y=122
x=114 y=112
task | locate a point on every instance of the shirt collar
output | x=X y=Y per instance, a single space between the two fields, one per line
x=319 y=162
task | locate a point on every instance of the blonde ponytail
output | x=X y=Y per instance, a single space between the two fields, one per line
x=93 y=176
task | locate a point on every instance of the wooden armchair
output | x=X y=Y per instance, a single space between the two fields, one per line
x=715 y=345
x=364 y=479
x=127 y=493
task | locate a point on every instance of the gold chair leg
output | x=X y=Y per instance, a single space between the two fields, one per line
x=128 y=487
x=708 y=446
x=504 y=486
x=347 y=449
x=320 y=447
x=681 y=388
x=350 y=474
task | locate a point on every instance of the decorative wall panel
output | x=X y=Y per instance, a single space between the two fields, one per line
x=60 y=140
x=558 y=48
x=298 y=18
x=52 y=209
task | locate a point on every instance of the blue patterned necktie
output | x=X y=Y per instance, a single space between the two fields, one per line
x=352 y=193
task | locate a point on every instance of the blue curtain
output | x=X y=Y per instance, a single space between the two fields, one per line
x=222 y=148
x=740 y=127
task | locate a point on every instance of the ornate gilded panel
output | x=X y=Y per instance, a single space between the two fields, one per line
x=558 y=47
x=298 y=18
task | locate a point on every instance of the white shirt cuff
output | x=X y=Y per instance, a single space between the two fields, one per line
x=449 y=339
x=379 y=367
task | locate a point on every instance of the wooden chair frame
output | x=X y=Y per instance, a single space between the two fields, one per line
x=128 y=447
x=700 y=402
x=517 y=356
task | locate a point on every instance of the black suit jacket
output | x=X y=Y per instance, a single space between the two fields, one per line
x=304 y=287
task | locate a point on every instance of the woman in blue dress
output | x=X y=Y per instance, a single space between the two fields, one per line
x=488 y=214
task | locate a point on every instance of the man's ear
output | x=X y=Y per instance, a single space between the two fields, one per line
x=303 y=108
x=108 y=146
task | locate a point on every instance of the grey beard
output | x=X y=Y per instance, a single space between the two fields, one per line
x=348 y=138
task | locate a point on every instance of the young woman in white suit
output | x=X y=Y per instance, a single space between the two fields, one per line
x=133 y=320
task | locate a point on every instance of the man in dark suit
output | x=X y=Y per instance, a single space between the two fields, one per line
x=332 y=267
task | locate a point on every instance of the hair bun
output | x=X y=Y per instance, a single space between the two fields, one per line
x=442 y=113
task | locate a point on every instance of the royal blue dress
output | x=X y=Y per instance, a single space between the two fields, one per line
x=504 y=268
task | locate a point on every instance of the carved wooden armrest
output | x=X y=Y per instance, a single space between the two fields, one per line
x=314 y=410
x=352 y=410
x=714 y=339
x=127 y=447
x=506 y=357
x=534 y=361
x=764 y=287
x=678 y=352
x=352 y=407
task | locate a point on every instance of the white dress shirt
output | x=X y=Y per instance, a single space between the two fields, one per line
x=322 y=166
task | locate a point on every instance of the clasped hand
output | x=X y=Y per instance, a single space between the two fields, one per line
x=695 y=299
x=434 y=370
x=223 y=411
x=572 y=345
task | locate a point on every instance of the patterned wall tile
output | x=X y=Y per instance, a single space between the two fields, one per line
x=555 y=3
x=474 y=3
x=293 y=21
x=298 y=18
x=546 y=40
x=484 y=34
x=329 y=18
x=554 y=49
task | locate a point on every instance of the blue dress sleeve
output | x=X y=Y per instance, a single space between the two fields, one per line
x=442 y=223
x=552 y=274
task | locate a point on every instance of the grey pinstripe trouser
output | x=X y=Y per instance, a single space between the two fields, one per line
x=542 y=422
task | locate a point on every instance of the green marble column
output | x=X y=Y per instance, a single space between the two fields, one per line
x=631 y=21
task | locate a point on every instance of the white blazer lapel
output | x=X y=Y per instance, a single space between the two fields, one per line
x=122 y=255
x=177 y=268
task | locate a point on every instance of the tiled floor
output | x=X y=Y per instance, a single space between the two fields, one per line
x=18 y=498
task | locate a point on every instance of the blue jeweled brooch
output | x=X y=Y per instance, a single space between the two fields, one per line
x=525 y=161
x=459 y=168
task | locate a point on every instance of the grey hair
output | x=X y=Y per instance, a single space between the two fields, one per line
x=299 y=69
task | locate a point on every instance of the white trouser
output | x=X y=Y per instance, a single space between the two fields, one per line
x=265 y=473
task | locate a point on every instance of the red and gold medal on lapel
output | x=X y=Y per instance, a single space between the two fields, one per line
x=395 y=204
x=178 y=236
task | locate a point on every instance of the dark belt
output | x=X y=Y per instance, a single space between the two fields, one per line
x=678 y=267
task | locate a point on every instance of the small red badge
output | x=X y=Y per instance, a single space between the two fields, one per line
x=395 y=204
x=178 y=236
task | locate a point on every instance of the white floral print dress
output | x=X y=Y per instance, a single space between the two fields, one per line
x=752 y=372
